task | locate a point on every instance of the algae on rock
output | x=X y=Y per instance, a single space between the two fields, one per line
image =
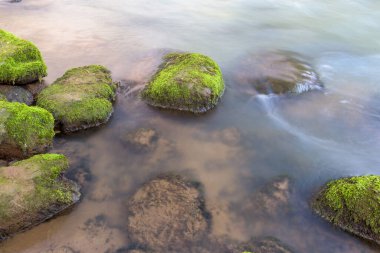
x=32 y=191
x=20 y=60
x=352 y=204
x=81 y=98
x=24 y=130
x=185 y=81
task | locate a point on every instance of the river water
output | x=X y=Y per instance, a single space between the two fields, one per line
x=244 y=143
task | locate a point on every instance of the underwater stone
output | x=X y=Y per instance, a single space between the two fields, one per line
x=353 y=204
x=24 y=130
x=80 y=99
x=276 y=73
x=20 y=60
x=167 y=213
x=32 y=191
x=185 y=81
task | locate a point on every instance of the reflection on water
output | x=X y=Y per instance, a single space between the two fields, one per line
x=237 y=149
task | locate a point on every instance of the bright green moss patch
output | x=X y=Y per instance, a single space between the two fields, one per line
x=353 y=204
x=28 y=129
x=81 y=98
x=33 y=190
x=185 y=81
x=20 y=60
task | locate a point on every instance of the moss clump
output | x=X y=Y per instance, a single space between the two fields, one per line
x=29 y=130
x=20 y=60
x=185 y=81
x=33 y=190
x=81 y=98
x=352 y=204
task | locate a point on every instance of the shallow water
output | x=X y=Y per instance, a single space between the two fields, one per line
x=245 y=142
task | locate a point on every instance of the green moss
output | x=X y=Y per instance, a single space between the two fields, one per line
x=48 y=189
x=20 y=60
x=28 y=127
x=186 y=81
x=38 y=188
x=352 y=202
x=80 y=97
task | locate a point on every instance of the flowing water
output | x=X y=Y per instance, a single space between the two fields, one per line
x=244 y=143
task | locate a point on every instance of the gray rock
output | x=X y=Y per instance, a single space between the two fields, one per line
x=16 y=94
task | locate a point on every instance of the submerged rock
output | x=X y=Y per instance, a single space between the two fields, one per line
x=80 y=99
x=185 y=81
x=277 y=73
x=255 y=245
x=32 y=191
x=141 y=140
x=21 y=61
x=271 y=199
x=167 y=214
x=16 y=94
x=24 y=130
x=352 y=204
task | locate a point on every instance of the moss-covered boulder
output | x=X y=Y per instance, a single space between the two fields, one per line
x=185 y=81
x=24 y=130
x=32 y=191
x=20 y=60
x=80 y=99
x=352 y=204
x=276 y=73
x=16 y=94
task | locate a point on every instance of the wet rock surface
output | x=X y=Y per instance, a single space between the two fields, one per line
x=276 y=73
x=80 y=99
x=186 y=82
x=166 y=214
x=24 y=130
x=21 y=60
x=141 y=140
x=16 y=94
x=352 y=204
x=32 y=191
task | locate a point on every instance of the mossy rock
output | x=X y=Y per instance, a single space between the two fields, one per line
x=276 y=73
x=16 y=94
x=185 y=81
x=32 y=191
x=20 y=60
x=352 y=204
x=80 y=99
x=24 y=130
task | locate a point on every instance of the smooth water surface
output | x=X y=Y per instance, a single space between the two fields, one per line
x=244 y=143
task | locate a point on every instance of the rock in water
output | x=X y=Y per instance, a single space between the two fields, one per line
x=20 y=60
x=185 y=81
x=272 y=199
x=276 y=73
x=352 y=204
x=165 y=214
x=32 y=191
x=80 y=99
x=16 y=94
x=141 y=140
x=24 y=130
